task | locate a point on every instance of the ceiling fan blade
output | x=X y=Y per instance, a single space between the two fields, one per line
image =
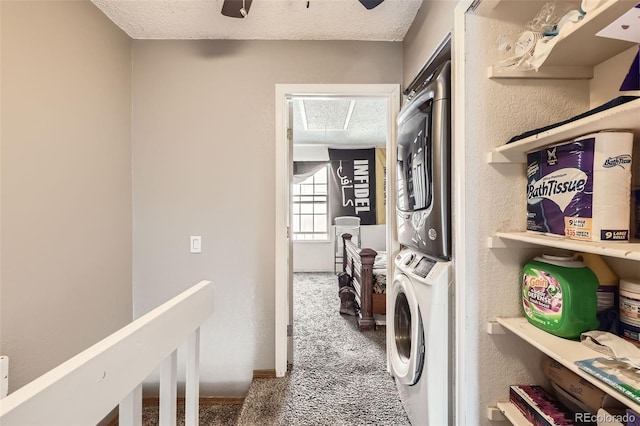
x=370 y=4
x=232 y=8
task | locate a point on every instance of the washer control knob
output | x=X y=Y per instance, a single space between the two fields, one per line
x=410 y=259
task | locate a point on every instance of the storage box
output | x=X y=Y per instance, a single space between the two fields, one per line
x=540 y=408
x=581 y=389
x=581 y=188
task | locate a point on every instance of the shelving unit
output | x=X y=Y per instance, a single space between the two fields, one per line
x=622 y=117
x=569 y=59
x=512 y=414
x=576 y=54
x=565 y=351
x=622 y=250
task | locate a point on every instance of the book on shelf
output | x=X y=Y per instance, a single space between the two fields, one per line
x=619 y=373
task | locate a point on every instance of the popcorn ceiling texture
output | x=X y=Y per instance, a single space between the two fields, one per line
x=267 y=20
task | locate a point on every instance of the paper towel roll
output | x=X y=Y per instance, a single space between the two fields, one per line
x=611 y=182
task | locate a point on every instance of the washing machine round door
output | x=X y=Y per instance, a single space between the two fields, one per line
x=407 y=347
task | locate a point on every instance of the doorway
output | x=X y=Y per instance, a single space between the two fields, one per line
x=286 y=96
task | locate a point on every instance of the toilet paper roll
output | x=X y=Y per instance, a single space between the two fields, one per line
x=581 y=188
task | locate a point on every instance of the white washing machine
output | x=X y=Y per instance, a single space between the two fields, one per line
x=419 y=320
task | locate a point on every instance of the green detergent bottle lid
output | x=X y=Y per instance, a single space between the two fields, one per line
x=559 y=295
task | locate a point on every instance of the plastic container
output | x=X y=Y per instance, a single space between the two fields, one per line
x=630 y=310
x=607 y=294
x=559 y=295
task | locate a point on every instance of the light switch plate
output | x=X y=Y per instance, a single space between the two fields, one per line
x=196 y=244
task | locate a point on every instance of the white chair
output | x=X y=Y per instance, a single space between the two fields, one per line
x=344 y=224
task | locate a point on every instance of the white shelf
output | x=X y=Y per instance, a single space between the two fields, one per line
x=565 y=351
x=512 y=414
x=622 y=250
x=546 y=73
x=622 y=117
x=576 y=52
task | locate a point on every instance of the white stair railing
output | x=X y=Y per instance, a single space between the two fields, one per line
x=84 y=389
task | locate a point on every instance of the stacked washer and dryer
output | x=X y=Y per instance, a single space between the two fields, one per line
x=419 y=307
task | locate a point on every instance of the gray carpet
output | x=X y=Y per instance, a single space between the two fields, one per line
x=211 y=414
x=339 y=374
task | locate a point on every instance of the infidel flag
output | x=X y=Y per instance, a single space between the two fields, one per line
x=352 y=187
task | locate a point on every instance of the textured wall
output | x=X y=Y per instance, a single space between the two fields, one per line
x=204 y=153
x=66 y=182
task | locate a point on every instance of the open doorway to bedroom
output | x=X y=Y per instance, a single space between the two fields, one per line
x=327 y=166
x=329 y=135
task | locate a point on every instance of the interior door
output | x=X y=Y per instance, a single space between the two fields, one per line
x=290 y=232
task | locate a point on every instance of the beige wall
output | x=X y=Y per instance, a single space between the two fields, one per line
x=204 y=153
x=433 y=22
x=608 y=77
x=66 y=182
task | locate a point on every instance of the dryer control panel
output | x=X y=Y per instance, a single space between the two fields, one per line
x=415 y=263
x=423 y=267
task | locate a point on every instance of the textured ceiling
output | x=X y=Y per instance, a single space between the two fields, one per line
x=267 y=19
x=325 y=120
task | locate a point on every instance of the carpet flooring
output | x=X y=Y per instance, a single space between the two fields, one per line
x=338 y=375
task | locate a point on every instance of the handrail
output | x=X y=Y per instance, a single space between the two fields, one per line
x=84 y=389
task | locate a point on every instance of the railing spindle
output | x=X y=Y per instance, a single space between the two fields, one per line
x=192 y=380
x=130 y=409
x=168 y=390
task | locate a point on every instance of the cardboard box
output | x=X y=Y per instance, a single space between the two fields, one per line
x=576 y=386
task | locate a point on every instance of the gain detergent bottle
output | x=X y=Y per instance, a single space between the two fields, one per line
x=559 y=295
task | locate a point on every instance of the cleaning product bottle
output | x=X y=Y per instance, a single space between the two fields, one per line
x=559 y=295
x=607 y=294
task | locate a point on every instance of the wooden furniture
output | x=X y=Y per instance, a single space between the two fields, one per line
x=358 y=262
x=344 y=224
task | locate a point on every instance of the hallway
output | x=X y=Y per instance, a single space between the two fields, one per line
x=339 y=374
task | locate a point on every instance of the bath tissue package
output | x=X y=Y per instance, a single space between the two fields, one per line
x=581 y=188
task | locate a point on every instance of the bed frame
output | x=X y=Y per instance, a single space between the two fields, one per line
x=358 y=262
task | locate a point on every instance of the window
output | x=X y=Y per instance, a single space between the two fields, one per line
x=310 y=219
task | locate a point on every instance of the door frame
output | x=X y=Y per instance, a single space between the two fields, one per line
x=282 y=197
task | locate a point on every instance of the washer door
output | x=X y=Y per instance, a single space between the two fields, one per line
x=407 y=348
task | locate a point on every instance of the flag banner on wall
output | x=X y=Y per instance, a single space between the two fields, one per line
x=352 y=188
x=381 y=186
